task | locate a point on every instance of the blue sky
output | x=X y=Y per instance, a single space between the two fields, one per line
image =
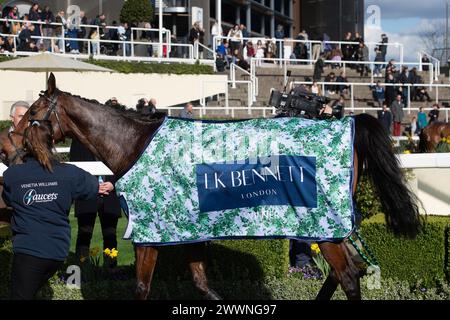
x=403 y=20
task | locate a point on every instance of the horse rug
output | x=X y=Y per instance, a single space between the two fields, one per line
x=258 y=178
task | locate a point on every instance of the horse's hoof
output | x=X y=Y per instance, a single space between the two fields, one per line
x=212 y=295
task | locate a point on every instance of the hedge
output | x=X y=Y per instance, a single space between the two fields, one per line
x=422 y=259
x=147 y=67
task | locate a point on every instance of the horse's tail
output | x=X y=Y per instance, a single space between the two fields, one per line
x=376 y=157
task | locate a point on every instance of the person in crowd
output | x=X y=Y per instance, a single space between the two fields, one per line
x=41 y=229
x=316 y=89
x=385 y=118
x=9 y=45
x=271 y=49
x=379 y=94
x=113 y=102
x=59 y=31
x=25 y=38
x=279 y=35
x=329 y=88
x=403 y=78
x=347 y=49
x=363 y=55
x=421 y=120
x=107 y=207
x=196 y=35
x=146 y=107
x=188 y=111
x=434 y=113
x=425 y=61
x=342 y=88
x=249 y=52
x=47 y=28
x=14 y=15
x=82 y=32
x=391 y=69
x=336 y=55
x=34 y=15
x=413 y=126
x=2 y=45
x=391 y=90
x=16 y=112
x=378 y=63
x=318 y=68
x=100 y=21
x=124 y=34
x=245 y=33
x=383 y=46
x=316 y=47
x=397 y=114
x=235 y=38
x=223 y=52
x=216 y=31
x=260 y=49
x=72 y=33
x=95 y=41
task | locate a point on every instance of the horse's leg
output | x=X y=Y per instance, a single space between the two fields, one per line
x=343 y=271
x=195 y=254
x=145 y=265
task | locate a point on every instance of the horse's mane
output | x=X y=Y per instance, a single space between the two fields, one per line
x=126 y=112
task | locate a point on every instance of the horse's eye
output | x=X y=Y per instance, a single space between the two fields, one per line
x=33 y=112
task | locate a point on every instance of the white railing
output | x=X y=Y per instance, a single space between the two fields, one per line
x=284 y=63
x=253 y=79
x=227 y=104
x=97 y=54
x=436 y=64
x=131 y=43
x=310 y=43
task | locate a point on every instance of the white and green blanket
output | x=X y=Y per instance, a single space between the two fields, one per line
x=259 y=178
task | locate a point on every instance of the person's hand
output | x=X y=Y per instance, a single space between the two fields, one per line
x=326 y=110
x=105 y=188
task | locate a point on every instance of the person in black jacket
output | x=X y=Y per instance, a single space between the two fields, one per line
x=41 y=192
x=107 y=207
x=385 y=118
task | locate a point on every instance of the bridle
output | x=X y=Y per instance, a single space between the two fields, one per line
x=18 y=152
x=52 y=108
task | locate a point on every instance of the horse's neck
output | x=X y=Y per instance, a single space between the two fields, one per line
x=115 y=139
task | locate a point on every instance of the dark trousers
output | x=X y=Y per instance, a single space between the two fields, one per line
x=29 y=274
x=86 y=223
x=300 y=253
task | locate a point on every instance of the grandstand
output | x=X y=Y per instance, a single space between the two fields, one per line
x=247 y=92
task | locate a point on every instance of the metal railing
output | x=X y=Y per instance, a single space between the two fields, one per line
x=253 y=79
x=309 y=44
x=284 y=63
x=436 y=64
x=132 y=43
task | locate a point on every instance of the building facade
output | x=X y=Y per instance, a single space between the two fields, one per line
x=333 y=17
x=261 y=17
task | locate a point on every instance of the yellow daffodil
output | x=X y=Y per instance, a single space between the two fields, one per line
x=107 y=251
x=407 y=152
x=315 y=248
x=94 y=252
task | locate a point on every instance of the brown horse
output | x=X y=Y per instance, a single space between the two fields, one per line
x=117 y=138
x=432 y=134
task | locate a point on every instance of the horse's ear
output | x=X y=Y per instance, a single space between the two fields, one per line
x=51 y=84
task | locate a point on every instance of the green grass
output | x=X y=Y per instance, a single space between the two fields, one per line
x=126 y=252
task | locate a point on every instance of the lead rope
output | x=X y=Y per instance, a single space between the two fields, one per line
x=371 y=260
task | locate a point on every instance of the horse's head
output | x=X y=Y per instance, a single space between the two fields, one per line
x=46 y=108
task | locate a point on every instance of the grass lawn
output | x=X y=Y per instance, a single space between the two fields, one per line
x=126 y=252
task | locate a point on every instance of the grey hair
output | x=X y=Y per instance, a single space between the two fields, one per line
x=18 y=104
